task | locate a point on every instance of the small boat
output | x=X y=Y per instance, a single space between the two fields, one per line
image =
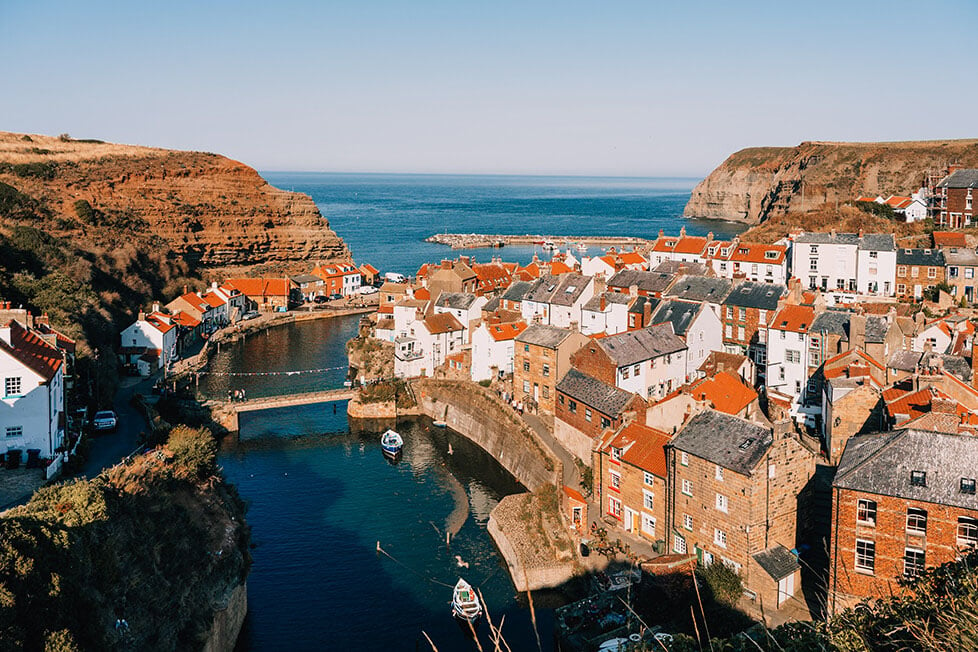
x=548 y=245
x=582 y=247
x=392 y=443
x=465 y=602
x=438 y=423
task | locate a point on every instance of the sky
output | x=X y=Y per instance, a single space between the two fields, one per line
x=524 y=87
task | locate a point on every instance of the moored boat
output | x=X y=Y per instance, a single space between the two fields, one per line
x=465 y=602
x=391 y=442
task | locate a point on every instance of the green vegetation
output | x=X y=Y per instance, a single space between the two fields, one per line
x=724 y=583
x=46 y=170
x=384 y=392
x=880 y=210
x=157 y=542
x=933 y=293
x=85 y=212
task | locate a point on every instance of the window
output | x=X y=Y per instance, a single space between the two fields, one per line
x=683 y=458
x=616 y=453
x=526 y=348
x=12 y=386
x=546 y=370
x=813 y=264
x=918 y=478
x=624 y=373
x=720 y=537
x=587 y=414
x=614 y=507
x=968 y=486
x=688 y=522
x=866 y=512
x=969 y=272
x=648 y=525
x=678 y=544
x=952 y=272
x=648 y=478
x=931 y=272
x=572 y=404
x=813 y=358
x=718 y=472
x=913 y=562
x=15 y=431
x=762 y=317
x=526 y=390
x=605 y=422
x=840 y=284
x=916 y=520
x=648 y=500
x=901 y=288
x=865 y=556
x=526 y=366
x=722 y=503
x=635 y=370
x=771 y=470
x=901 y=270
x=545 y=390
x=792 y=357
x=688 y=487
x=742 y=315
x=728 y=332
x=729 y=312
x=967 y=532
x=560 y=398
x=740 y=332
x=813 y=250
x=615 y=480
x=914 y=272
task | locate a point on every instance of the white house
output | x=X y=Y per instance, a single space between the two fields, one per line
x=698 y=326
x=937 y=336
x=464 y=306
x=557 y=300
x=606 y=313
x=426 y=345
x=154 y=333
x=787 y=350
x=237 y=302
x=650 y=362
x=876 y=265
x=351 y=279
x=406 y=313
x=492 y=349
x=845 y=265
x=755 y=262
x=33 y=392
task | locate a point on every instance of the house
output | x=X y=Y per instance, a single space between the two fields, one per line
x=492 y=278
x=735 y=492
x=264 y=294
x=613 y=262
x=687 y=249
x=912 y=209
x=650 y=362
x=369 y=275
x=960 y=267
x=719 y=361
x=587 y=407
x=338 y=278
x=512 y=298
x=236 y=304
x=724 y=391
x=466 y=307
x=696 y=324
x=630 y=477
x=449 y=276
x=607 y=313
x=557 y=300
x=427 y=344
x=154 y=333
x=760 y=263
x=948 y=239
x=745 y=314
x=542 y=355
x=845 y=265
x=641 y=284
x=936 y=336
x=704 y=289
x=918 y=270
x=852 y=399
x=902 y=502
x=492 y=349
x=787 y=344
x=310 y=286
x=954 y=199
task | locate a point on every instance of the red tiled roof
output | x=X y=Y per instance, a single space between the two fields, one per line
x=632 y=258
x=859 y=354
x=370 y=269
x=643 y=447
x=757 y=253
x=183 y=319
x=32 y=352
x=896 y=201
x=213 y=300
x=261 y=287
x=866 y=199
x=559 y=267
x=726 y=391
x=690 y=245
x=505 y=332
x=422 y=294
x=442 y=323
x=574 y=494
x=160 y=322
x=949 y=239
x=195 y=301
x=794 y=318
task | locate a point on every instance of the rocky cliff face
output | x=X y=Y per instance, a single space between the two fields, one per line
x=758 y=183
x=211 y=210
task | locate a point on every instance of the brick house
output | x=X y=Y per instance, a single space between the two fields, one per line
x=902 y=501
x=264 y=294
x=961 y=271
x=587 y=407
x=630 y=480
x=734 y=492
x=918 y=270
x=852 y=399
x=954 y=199
x=746 y=312
x=542 y=355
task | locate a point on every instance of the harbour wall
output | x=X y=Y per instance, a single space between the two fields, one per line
x=479 y=415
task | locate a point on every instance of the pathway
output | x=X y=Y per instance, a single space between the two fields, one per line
x=109 y=448
x=287 y=400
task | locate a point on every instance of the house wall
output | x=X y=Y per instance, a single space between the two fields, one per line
x=876 y=272
x=631 y=494
x=858 y=411
x=488 y=353
x=833 y=262
x=35 y=409
x=912 y=280
x=705 y=334
x=535 y=371
x=847 y=585
x=795 y=377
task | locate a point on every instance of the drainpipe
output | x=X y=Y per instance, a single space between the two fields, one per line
x=670 y=494
x=835 y=553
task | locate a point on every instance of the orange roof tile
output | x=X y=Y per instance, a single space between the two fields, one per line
x=859 y=354
x=213 y=300
x=367 y=267
x=794 y=318
x=160 y=322
x=726 y=391
x=261 y=287
x=758 y=253
x=632 y=258
x=423 y=294
x=643 y=447
x=183 y=319
x=949 y=239
x=866 y=199
x=663 y=243
x=505 y=332
x=560 y=267
x=690 y=245
x=896 y=201
x=443 y=322
x=32 y=351
x=574 y=494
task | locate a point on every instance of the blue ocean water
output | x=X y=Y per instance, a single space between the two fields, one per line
x=384 y=218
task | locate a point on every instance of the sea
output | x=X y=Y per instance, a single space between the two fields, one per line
x=350 y=551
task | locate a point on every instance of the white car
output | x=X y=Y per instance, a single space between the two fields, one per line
x=367 y=289
x=105 y=420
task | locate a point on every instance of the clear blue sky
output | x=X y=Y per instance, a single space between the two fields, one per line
x=633 y=88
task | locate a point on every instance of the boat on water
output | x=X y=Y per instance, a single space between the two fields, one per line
x=582 y=247
x=465 y=602
x=392 y=443
x=548 y=245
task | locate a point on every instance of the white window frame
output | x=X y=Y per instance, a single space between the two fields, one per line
x=720 y=537
x=687 y=487
x=868 y=553
x=721 y=503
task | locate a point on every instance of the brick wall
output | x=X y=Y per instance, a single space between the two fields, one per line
x=542 y=385
x=861 y=410
x=908 y=280
x=592 y=360
x=631 y=493
x=733 y=321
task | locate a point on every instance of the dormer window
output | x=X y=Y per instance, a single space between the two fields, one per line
x=744 y=445
x=770 y=254
x=615 y=453
x=968 y=486
x=918 y=478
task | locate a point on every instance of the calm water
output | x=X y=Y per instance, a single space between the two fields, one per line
x=384 y=218
x=320 y=498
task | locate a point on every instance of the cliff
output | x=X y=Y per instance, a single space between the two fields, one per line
x=758 y=183
x=210 y=210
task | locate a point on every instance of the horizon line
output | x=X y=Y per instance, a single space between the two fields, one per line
x=484 y=174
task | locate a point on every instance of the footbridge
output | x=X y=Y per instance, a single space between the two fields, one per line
x=285 y=400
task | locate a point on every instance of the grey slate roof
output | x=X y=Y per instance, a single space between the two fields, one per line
x=516 y=291
x=831 y=321
x=302 y=279
x=960 y=179
x=681 y=267
x=778 y=562
x=542 y=335
x=904 y=360
x=590 y=391
x=455 y=300
x=763 y=296
x=960 y=256
x=953 y=364
x=731 y=442
x=594 y=303
x=881 y=463
x=644 y=281
x=869 y=241
x=638 y=306
x=922 y=257
x=644 y=344
x=560 y=290
x=876 y=328
x=492 y=305
x=679 y=313
x=701 y=288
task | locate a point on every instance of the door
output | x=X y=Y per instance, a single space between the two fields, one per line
x=786 y=588
x=918 y=291
x=536 y=393
x=632 y=523
x=577 y=517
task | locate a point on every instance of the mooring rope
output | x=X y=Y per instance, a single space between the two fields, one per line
x=416 y=572
x=270 y=373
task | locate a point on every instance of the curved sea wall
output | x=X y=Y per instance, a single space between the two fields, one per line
x=757 y=183
x=479 y=415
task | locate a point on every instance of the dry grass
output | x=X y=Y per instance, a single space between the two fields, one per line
x=844 y=219
x=14 y=149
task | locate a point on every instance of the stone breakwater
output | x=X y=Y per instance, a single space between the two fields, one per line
x=479 y=240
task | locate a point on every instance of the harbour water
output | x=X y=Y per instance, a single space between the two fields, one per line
x=384 y=218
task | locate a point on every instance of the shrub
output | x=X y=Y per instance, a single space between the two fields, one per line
x=881 y=210
x=195 y=450
x=85 y=212
x=724 y=582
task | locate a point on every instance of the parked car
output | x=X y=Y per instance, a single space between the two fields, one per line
x=320 y=298
x=335 y=295
x=249 y=315
x=367 y=289
x=105 y=420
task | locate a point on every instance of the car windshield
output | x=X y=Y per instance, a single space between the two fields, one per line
x=104 y=415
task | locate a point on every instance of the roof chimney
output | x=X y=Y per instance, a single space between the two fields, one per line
x=156 y=306
x=142 y=316
x=646 y=313
x=602 y=302
x=575 y=327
